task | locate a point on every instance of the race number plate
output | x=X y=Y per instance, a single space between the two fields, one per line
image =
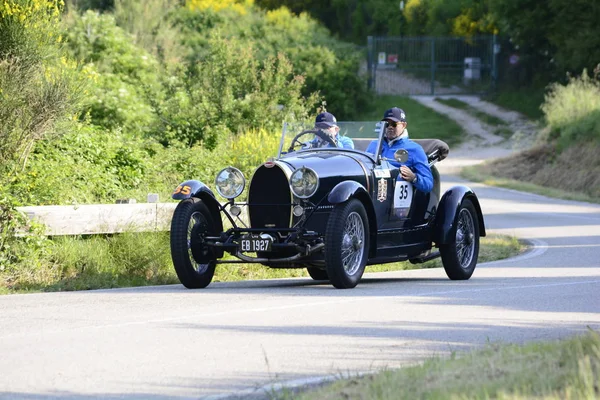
x=250 y=244
x=403 y=194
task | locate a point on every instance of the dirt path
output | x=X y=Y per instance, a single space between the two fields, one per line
x=482 y=144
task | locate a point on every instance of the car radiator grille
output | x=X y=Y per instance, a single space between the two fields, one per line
x=269 y=199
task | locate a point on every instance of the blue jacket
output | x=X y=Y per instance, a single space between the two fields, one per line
x=417 y=160
x=343 y=142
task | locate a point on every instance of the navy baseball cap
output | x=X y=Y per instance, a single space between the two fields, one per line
x=395 y=114
x=325 y=120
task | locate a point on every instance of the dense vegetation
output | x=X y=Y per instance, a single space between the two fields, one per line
x=96 y=106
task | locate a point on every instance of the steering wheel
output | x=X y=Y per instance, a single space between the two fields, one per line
x=317 y=132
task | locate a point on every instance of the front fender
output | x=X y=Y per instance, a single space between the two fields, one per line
x=192 y=188
x=197 y=189
x=445 y=228
x=344 y=191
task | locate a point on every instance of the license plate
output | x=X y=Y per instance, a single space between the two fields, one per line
x=254 y=243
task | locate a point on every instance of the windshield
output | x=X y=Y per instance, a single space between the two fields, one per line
x=297 y=137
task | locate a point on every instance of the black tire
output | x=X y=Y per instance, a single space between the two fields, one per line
x=460 y=257
x=347 y=244
x=194 y=262
x=317 y=273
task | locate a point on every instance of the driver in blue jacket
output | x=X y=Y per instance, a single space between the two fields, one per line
x=326 y=123
x=416 y=168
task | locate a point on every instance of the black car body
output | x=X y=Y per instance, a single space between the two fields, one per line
x=328 y=209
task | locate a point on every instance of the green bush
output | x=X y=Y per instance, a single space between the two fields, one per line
x=152 y=28
x=312 y=51
x=39 y=87
x=230 y=91
x=22 y=245
x=82 y=167
x=124 y=75
x=572 y=111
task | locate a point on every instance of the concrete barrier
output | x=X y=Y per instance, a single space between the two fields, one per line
x=102 y=218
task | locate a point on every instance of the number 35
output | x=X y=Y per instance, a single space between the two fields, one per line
x=185 y=190
x=403 y=192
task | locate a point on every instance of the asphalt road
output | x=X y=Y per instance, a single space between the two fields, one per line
x=169 y=342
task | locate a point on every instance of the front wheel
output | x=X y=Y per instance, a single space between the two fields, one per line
x=347 y=244
x=460 y=257
x=193 y=260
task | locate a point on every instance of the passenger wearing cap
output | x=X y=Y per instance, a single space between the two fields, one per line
x=327 y=123
x=416 y=168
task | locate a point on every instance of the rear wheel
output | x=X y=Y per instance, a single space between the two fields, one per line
x=317 y=273
x=347 y=244
x=460 y=257
x=193 y=260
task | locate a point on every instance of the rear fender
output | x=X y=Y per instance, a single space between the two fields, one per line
x=445 y=227
x=192 y=188
x=347 y=190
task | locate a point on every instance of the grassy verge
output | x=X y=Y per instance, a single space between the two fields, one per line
x=567 y=369
x=475 y=174
x=526 y=101
x=573 y=174
x=423 y=122
x=135 y=259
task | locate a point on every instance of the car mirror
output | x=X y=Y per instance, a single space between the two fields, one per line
x=401 y=155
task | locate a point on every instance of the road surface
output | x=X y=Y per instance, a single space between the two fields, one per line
x=169 y=342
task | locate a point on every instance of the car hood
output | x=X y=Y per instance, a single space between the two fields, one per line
x=330 y=163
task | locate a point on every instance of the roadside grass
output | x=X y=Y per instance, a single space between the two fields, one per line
x=423 y=122
x=475 y=174
x=501 y=127
x=565 y=369
x=527 y=101
x=573 y=174
x=143 y=259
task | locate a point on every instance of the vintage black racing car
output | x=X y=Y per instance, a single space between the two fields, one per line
x=327 y=209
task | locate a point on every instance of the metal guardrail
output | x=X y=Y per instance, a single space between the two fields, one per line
x=102 y=218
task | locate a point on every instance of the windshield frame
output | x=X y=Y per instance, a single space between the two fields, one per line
x=379 y=130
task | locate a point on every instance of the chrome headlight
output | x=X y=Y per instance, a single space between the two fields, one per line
x=230 y=182
x=304 y=182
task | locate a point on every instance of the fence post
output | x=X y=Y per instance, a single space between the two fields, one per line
x=432 y=66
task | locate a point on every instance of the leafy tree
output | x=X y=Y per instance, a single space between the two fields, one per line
x=553 y=36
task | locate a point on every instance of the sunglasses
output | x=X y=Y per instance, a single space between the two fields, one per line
x=393 y=124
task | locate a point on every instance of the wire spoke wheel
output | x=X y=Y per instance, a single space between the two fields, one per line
x=460 y=257
x=353 y=243
x=464 y=238
x=346 y=244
